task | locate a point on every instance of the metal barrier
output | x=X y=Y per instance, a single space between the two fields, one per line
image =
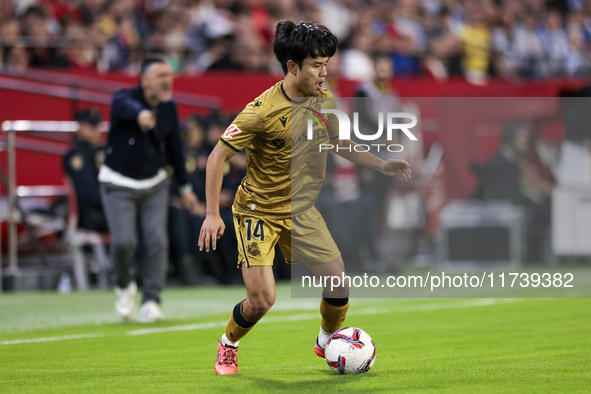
x=87 y=89
x=11 y=128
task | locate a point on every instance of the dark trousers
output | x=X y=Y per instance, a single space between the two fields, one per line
x=123 y=206
x=184 y=230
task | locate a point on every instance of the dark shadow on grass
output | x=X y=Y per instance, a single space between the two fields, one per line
x=329 y=382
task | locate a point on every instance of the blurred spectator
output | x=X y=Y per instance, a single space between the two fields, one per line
x=121 y=52
x=356 y=61
x=99 y=39
x=18 y=58
x=555 y=43
x=168 y=34
x=530 y=49
x=78 y=52
x=91 y=10
x=234 y=173
x=476 y=43
x=82 y=165
x=242 y=56
x=192 y=265
x=10 y=32
x=196 y=153
x=217 y=50
x=507 y=38
x=500 y=178
x=64 y=11
x=577 y=62
x=372 y=99
x=338 y=16
x=409 y=38
x=504 y=39
x=40 y=41
x=209 y=22
x=443 y=57
x=331 y=82
x=188 y=262
x=11 y=52
x=377 y=95
x=517 y=174
x=7 y=9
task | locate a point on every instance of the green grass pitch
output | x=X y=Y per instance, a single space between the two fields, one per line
x=74 y=344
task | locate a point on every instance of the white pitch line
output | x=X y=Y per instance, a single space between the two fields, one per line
x=279 y=319
x=452 y=305
x=275 y=319
x=50 y=339
x=311 y=316
x=184 y=327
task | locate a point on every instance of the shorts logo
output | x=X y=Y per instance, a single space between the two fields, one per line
x=232 y=129
x=253 y=249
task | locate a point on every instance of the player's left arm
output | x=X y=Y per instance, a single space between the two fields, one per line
x=392 y=167
x=346 y=149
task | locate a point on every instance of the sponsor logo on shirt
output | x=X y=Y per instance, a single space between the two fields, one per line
x=232 y=129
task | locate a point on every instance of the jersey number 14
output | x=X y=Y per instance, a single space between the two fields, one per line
x=259 y=230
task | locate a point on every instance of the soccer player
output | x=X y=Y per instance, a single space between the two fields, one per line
x=264 y=209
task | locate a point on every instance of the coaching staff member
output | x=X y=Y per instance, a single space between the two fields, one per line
x=143 y=139
x=82 y=165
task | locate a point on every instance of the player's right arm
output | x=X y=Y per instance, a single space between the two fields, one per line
x=213 y=227
x=237 y=136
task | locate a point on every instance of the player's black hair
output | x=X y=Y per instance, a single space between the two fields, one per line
x=151 y=59
x=306 y=39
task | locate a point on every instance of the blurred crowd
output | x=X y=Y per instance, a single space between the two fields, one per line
x=476 y=39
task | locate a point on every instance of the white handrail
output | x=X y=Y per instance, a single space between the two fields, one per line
x=11 y=128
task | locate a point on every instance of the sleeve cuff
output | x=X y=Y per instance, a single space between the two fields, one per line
x=136 y=109
x=228 y=147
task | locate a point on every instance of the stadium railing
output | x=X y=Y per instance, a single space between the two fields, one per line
x=11 y=128
x=89 y=89
x=77 y=238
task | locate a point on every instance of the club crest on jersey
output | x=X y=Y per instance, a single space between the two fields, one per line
x=232 y=129
x=278 y=143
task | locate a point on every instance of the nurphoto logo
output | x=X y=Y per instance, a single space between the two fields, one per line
x=392 y=119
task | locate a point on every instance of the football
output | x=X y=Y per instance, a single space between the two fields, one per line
x=350 y=351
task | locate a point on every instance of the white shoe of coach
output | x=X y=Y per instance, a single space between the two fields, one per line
x=149 y=312
x=125 y=304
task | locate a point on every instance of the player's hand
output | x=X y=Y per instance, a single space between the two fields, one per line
x=190 y=201
x=146 y=120
x=399 y=168
x=212 y=229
